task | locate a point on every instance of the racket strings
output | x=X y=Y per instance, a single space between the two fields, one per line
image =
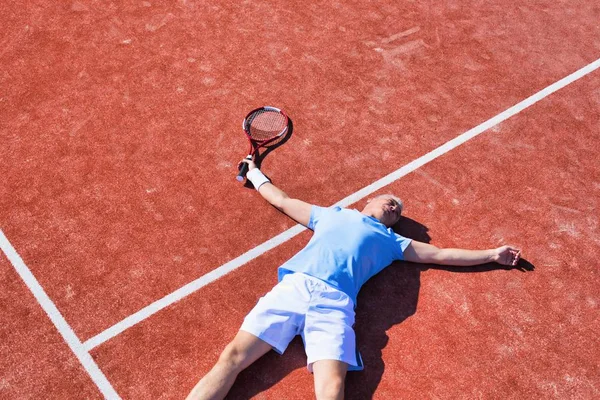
x=266 y=124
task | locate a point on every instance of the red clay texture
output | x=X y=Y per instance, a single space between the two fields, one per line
x=121 y=130
x=36 y=361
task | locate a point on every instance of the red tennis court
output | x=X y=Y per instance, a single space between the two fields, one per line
x=131 y=254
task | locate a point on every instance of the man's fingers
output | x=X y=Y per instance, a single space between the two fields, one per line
x=516 y=255
x=251 y=164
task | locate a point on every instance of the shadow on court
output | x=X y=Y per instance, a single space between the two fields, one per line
x=268 y=371
x=386 y=300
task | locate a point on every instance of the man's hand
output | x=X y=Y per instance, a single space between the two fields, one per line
x=507 y=255
x=251 y=164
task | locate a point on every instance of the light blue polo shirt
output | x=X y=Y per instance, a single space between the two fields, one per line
x=346 y=250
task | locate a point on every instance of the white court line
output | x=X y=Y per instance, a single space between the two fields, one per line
x=292 y=232
x=59 y=321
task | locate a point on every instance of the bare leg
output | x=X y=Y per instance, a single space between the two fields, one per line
x=243 y=350
x=329 y=379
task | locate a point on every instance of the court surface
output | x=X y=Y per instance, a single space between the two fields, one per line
x=130 y=254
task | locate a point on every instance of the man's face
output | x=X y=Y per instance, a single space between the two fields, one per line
x=385 y=209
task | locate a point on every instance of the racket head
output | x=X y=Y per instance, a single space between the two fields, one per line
x=265 y=125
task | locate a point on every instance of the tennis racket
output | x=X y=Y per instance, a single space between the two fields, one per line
x=264 y=127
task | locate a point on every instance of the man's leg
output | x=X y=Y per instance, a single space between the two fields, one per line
x=243 y=350
x=329 y=379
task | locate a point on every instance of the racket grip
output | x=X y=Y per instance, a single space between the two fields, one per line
x=243 y=171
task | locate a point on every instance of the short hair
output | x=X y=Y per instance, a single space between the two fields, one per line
x=396 y=200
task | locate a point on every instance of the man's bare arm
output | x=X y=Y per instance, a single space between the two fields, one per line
x=426 y=253
x=296 y=209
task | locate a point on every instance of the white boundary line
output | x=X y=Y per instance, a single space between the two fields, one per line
x=59 y=321
x=224 y=269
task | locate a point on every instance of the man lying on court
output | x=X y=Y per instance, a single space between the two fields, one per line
x=317 y=288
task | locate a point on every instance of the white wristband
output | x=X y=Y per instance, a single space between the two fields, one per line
x=257 y=178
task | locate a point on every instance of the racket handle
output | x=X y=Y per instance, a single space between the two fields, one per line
x=243 y=171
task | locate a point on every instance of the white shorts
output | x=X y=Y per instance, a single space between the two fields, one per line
x=306 y=306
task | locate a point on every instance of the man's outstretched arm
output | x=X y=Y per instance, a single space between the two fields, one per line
x=296 y=209
x=426 y=253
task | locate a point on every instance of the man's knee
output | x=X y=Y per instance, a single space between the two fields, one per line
x=233 y=357
x=329 y=379
x=332 y=388
x=242 y=351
